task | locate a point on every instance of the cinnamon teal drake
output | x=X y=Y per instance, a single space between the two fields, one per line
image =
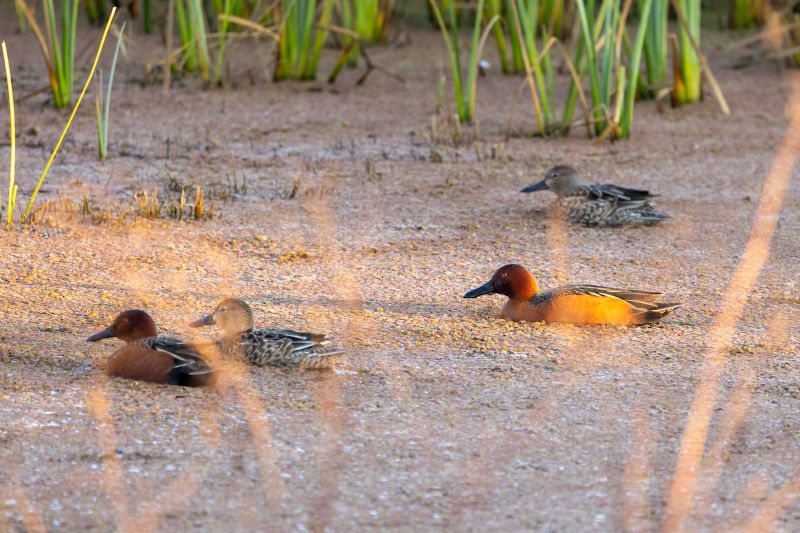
x=571 y=304
x=260 y=347
x=148 y=356
x=597 y=204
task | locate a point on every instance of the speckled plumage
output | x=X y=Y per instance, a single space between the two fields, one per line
x=260 y=347
x=597 y=204
x=280 y=347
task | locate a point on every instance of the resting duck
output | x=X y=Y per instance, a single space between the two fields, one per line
x=597 y=204
x=571 y=304
x=148 y=356
x=276 y=347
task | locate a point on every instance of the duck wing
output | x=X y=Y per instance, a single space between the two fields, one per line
x=643 y=303
x=284 y=347
x=297 y=335
x=183 y=354
x=611 y=191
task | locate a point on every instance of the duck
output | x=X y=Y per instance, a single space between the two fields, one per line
x=597 y=204
x=571 y=304
x=261 y=347
x=148 y=356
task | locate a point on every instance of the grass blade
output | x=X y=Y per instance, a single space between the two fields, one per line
x=27 y=212
x=12 y=132
x=636 y=58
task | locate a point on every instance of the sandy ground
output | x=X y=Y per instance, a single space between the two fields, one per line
x=444 y=416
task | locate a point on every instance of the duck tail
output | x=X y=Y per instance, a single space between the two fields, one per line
x=654 y=216
x=657 y=313
x=184 y=377
x=321 y=357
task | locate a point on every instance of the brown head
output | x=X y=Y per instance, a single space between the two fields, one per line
x=513 y=281
x=232 y=315
x=561 y=179
x=129 y=326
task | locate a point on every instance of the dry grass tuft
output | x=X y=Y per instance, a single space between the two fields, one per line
x=149 y=206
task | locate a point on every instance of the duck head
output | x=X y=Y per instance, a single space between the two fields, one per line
x=513 y=281
x=129 y=326
x=561 y=179
x=231 y=315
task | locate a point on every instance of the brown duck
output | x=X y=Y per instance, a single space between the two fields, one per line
x=571 y=304
x=148 y=356
x=597 y=204
x=275 y=347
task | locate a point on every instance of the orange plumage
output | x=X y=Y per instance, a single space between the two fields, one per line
x=143 y=364
x=571 y=304
x=149 y=357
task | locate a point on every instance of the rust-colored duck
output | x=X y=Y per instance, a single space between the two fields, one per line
x=571 y=304
x=148 y=356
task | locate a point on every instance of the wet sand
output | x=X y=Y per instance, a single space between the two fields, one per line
x=443 y=416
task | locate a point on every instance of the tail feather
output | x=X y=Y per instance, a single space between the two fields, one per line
x=657 y=313
x=321 y=358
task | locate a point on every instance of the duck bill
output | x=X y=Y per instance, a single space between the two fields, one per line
x=100 y=335
x=540 y=186
x=486 y=288
x=205 y=321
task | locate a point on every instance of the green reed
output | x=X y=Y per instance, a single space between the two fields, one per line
x=62 y=49
x=613 y=82
x=369 y=19
x=537 y=62
x=27 y=213
x=12 y=135
x=656 y=45
x=191 y=20
x=465 y=89
x=687 y=83
x=746 y=13
x=302 y=36
x=103 y=104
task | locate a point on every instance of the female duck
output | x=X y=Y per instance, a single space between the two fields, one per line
x=597 y=204
x=148 y=356
x=276 y=347
x=571 y=304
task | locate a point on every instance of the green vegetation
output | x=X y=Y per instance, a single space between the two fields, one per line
x=687 y=83
x=103 y=105
x=537 y=62
x=12 y=135
x=368 y=20
x=465 y=89
x=26 y=214
x=95 y=11
x=746 y=13
x=191 y=21
x=62 y=49
x=302 y=36
x=656 y=45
